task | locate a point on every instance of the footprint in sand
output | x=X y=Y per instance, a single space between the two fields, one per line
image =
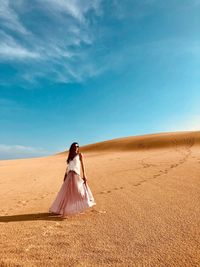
x=22 y=203
x=105 y=192
x=118 y=188
x=140 y=182
x=137 y=184
x=110 y=191
x=172 y=166
x=156 y=175
x=98 y=211
x=165 y=171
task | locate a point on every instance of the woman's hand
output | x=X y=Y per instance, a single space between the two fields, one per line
x=84 y=179
x=65 y=176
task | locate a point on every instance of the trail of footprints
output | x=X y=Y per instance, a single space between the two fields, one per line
x=186 y=153
x=109 y=191
x=24 y=203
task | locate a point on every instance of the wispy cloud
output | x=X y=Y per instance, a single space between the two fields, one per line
x=11 y=50
x=19 y=151
x=75 y=8
x=9 y=18
x=55 y=47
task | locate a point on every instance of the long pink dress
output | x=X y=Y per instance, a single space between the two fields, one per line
x=74 y=195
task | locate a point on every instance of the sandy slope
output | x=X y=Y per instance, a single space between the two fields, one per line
x=147 y=191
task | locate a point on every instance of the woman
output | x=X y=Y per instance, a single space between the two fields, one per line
x=74 y=195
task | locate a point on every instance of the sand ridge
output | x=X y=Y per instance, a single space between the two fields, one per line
x=148 y=141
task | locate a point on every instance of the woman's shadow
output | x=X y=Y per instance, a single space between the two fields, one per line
x=31 y=217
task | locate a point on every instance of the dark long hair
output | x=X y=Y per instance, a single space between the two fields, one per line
x=72 y=151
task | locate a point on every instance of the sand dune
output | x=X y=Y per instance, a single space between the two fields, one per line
x=149 y=141
x=147 y=190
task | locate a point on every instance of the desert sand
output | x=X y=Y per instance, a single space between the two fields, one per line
x=147 y=190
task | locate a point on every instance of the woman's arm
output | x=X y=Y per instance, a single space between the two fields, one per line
x=83 y=166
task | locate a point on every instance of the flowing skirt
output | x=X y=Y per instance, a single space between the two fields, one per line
x=73 y=197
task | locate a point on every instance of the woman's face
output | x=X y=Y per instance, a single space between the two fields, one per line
x=77 y=148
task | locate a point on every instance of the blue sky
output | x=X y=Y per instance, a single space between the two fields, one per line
x=90 y=71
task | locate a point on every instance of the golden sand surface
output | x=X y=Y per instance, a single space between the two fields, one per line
x=147 y=190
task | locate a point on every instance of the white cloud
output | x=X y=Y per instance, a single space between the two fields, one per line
x=55 y=47
x=19 y=151
x=10 y=19
x=15 y=51
x=76 y=8
x=10 y=49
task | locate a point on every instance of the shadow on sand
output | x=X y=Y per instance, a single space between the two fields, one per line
x=31 y=217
